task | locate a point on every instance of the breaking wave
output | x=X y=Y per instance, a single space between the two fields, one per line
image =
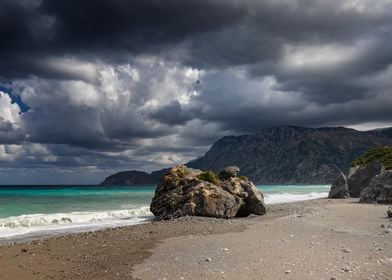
x=292 y=197
x=39 y=224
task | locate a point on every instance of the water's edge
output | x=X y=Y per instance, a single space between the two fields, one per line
x=24 y=227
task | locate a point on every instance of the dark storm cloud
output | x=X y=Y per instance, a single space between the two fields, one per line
x=30 y=31
x=149 y=83
x=172 y=114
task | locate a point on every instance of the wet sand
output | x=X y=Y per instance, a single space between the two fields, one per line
x=320 y=239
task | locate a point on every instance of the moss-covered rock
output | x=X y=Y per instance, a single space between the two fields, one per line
x=208 y=176
x=244 y=178
x=185 y=191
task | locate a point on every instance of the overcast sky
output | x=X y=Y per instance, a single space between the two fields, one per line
x=91 y=87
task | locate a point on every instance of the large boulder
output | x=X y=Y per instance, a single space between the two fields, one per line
x=360 y=176
x=184 y=191
x=339 y=188
x=379 y=189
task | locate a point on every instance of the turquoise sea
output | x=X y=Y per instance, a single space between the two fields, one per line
x=27 y=211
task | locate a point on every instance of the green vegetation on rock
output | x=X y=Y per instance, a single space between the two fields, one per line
x=243 y=178
x=208 y=176
x=182 y=171
x=381 y=154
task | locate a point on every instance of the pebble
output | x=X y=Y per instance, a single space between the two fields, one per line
x=347 y=250
x=208 y=259
x=287 y=272
x=388 y=261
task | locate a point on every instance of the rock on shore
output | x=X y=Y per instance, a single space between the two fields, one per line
x=378 y=190
x=184 y=191
x=339 y=188
x=360 y=176
x=369 y=177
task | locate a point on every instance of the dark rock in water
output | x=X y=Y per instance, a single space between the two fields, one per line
x=228 y=172
x=339 y=188
x=360 y=176
x=181 y=192
x=379 y=189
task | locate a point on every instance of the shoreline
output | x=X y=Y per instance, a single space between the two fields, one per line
x=32 y=226
x=124 y=252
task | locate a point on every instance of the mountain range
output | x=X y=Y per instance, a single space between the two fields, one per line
x=279 y=155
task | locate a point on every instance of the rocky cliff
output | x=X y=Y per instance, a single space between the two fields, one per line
x=291 y=154
x=285 y=154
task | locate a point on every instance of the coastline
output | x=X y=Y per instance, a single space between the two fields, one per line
x=75 y=209
x=343 y=230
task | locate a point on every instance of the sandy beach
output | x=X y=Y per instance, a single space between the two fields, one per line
x=319 y=239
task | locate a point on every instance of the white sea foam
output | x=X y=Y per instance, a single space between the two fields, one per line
x=43 y=224
x=292 y=197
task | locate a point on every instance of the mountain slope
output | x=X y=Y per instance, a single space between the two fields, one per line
x=133 y=177
x=285 y=154
x=289 y=154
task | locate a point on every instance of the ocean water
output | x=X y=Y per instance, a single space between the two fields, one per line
x=35 y=211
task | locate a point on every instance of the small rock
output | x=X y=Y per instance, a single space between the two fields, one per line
x=347 y=250
x=347 y=269
x=389 y=212
x=228 y=172
x=23 y=250
x=388 y=261
x=287 y=272
x=333 y=278
x=208 y=259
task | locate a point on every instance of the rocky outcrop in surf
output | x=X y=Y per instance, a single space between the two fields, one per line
x=185 y=191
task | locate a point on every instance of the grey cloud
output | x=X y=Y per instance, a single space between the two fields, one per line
x=143 y=84
x=172 y=114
